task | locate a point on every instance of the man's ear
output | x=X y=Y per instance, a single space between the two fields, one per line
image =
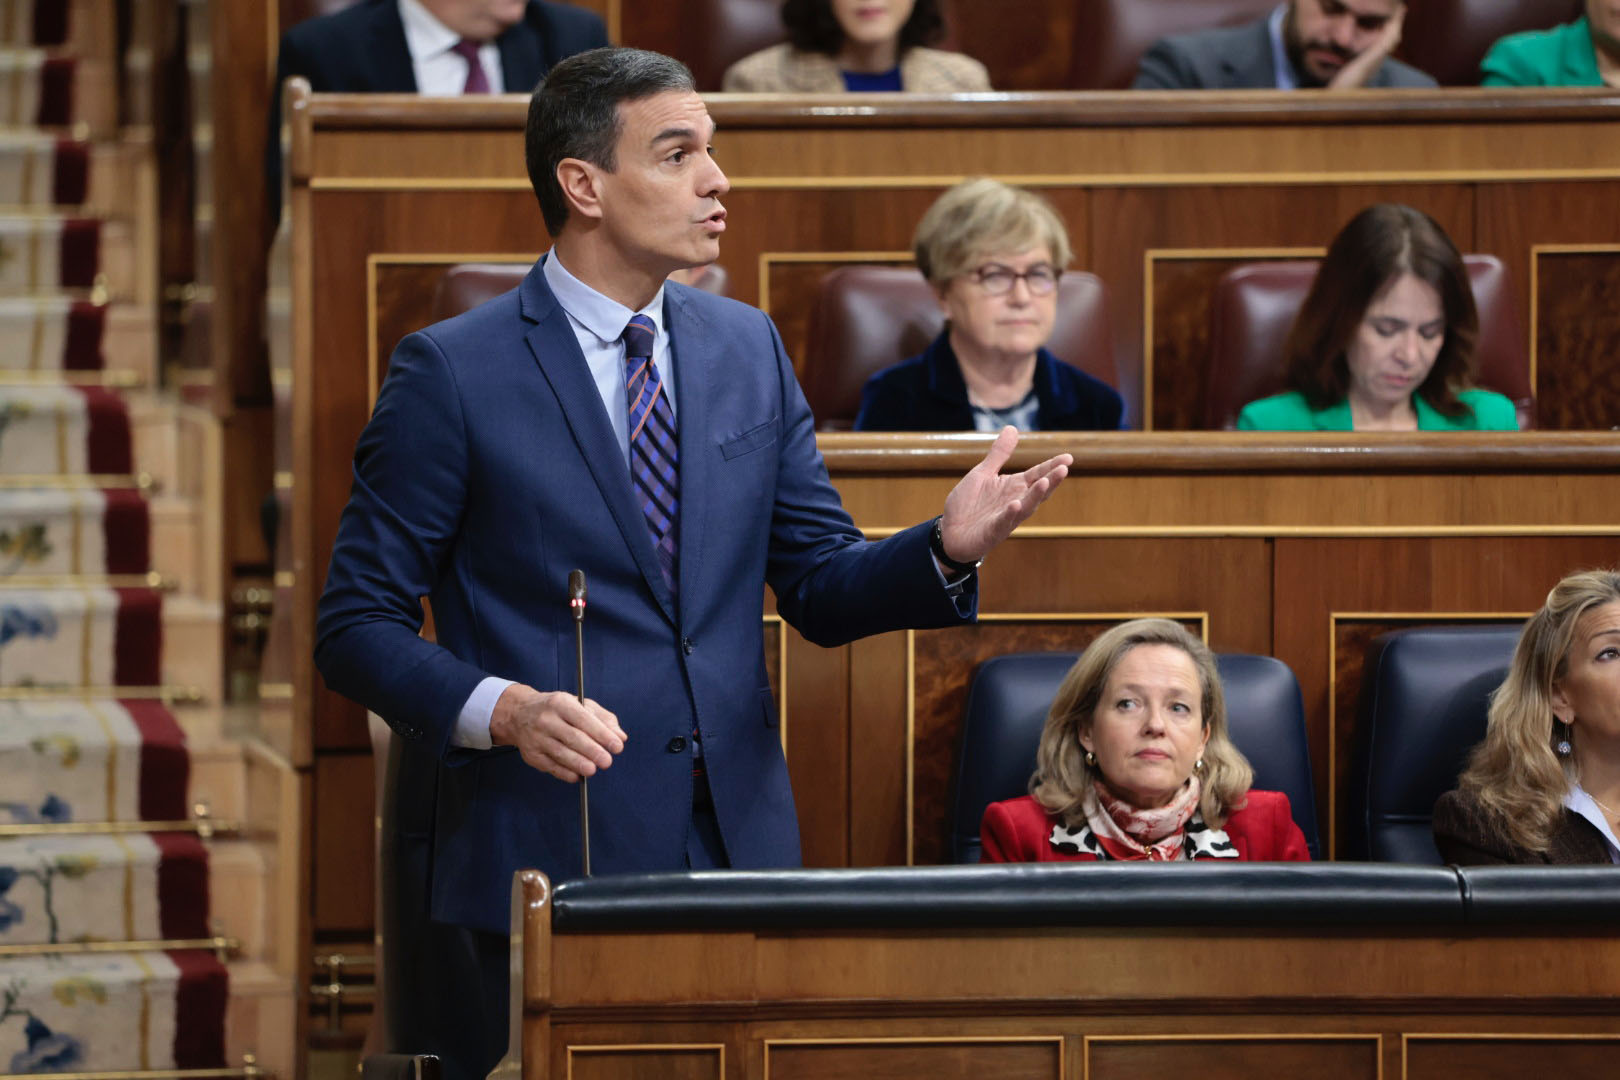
x=581 y=184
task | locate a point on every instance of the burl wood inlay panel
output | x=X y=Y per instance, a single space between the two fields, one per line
x=1348 y=1058
x=1510 y=1059
x=653 y=1063
x=1577 y=340
x=944 y=1060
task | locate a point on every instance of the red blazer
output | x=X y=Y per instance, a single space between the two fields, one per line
x=1020 y=830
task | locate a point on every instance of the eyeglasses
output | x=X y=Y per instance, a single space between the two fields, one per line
x=997 y=280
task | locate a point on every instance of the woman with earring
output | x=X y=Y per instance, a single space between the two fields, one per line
x=1544 y=785
x=1135 y=764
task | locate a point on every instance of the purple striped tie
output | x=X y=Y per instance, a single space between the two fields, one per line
x=652 y=444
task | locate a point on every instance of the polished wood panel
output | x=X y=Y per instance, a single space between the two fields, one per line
x=788 y=290
x=344 y=881
x=1491 y=1056
x=988 y=1059
x=652 y=1063
x=1341 y=1058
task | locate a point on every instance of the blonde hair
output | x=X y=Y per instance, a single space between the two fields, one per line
x=981 y=217
x=1515 y=776
x=1062 y=776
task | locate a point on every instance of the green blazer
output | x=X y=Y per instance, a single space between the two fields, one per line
x=1488 y=411
x=1562 y=56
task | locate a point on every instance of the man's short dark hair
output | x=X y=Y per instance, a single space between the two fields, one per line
x=574 y=113
x=812 y=26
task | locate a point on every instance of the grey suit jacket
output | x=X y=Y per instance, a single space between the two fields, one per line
x=1238 y=58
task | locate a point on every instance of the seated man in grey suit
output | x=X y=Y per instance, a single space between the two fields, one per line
x=1336 y=44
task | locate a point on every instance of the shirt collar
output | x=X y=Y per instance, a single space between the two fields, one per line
x=1287 y=79
x=425 y=35
x=1583 y=804
x=601 y=315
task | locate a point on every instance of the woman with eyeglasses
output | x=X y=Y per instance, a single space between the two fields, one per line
x=993 y=255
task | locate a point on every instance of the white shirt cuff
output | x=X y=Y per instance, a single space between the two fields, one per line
x=472 y=725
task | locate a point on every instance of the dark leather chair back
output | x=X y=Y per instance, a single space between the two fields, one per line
x=1424 y=696
x=1007 y=706
x=866 y=318
x=1448 y=38
x=1112 y=35
x=1255 y=305
x=711 y=35
x=466 y=285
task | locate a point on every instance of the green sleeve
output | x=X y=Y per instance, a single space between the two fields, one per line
x=1508 y=64
x=1279 y=412
x=1492 y=411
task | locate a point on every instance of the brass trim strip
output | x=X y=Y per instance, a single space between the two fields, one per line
x=112 y=378
x=275 y=691
x=78 y=948
x=1334 y=618
x=210 y=827
x=79 y=481
x=169 y=695
x=150 y=580
x=1046 y=180
x=245 y=1072
x=781 y=678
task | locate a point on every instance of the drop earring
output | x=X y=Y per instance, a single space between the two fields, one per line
x=1562 y=747
x=1091 y=759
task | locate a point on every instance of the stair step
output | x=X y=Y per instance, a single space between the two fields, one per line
x=64 y=532
x=194 y=646
x=114 y=1012
x=262 y=1018
x=39 y=171
x=52 y=430
x=88 y=637
x=66 y=761
x=129 y=887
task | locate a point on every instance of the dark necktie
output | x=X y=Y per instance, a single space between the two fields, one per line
x=477 y=83
x=652 y=443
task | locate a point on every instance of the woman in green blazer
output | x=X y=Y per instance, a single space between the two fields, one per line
x=1385 y=338
x=1585 y=52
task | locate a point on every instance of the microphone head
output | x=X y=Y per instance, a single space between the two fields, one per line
x=576 y=591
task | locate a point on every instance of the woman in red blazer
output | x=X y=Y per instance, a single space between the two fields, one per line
x=1135 y=764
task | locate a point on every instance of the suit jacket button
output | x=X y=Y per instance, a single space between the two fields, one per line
x=676 y=745
x=686 y=645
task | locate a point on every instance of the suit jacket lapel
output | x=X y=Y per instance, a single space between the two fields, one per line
x=393 y=72
x=556 y=350
x=694 y=363
x=1255 y=65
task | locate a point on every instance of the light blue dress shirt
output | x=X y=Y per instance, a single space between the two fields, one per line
x=598 y=324
x=1286 y=78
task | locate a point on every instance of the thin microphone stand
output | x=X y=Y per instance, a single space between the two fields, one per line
x=576 y=603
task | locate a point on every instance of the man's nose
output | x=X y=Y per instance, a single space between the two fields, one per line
x=716 y=183
x=1342 y=29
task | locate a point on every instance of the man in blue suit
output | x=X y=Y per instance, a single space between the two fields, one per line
x=600 y=418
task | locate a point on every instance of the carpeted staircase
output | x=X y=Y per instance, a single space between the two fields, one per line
x=139 y=817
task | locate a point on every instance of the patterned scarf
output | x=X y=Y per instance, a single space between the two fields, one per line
x=1129 y=833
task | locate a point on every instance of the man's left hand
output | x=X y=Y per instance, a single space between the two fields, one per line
x=1360 y=69
x=985 y=507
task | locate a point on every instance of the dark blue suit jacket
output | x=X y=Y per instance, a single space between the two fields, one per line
x=488 y=471
x=362 y=50
x=927 y=393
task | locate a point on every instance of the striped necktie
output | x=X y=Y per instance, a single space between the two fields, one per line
x=652 y=444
